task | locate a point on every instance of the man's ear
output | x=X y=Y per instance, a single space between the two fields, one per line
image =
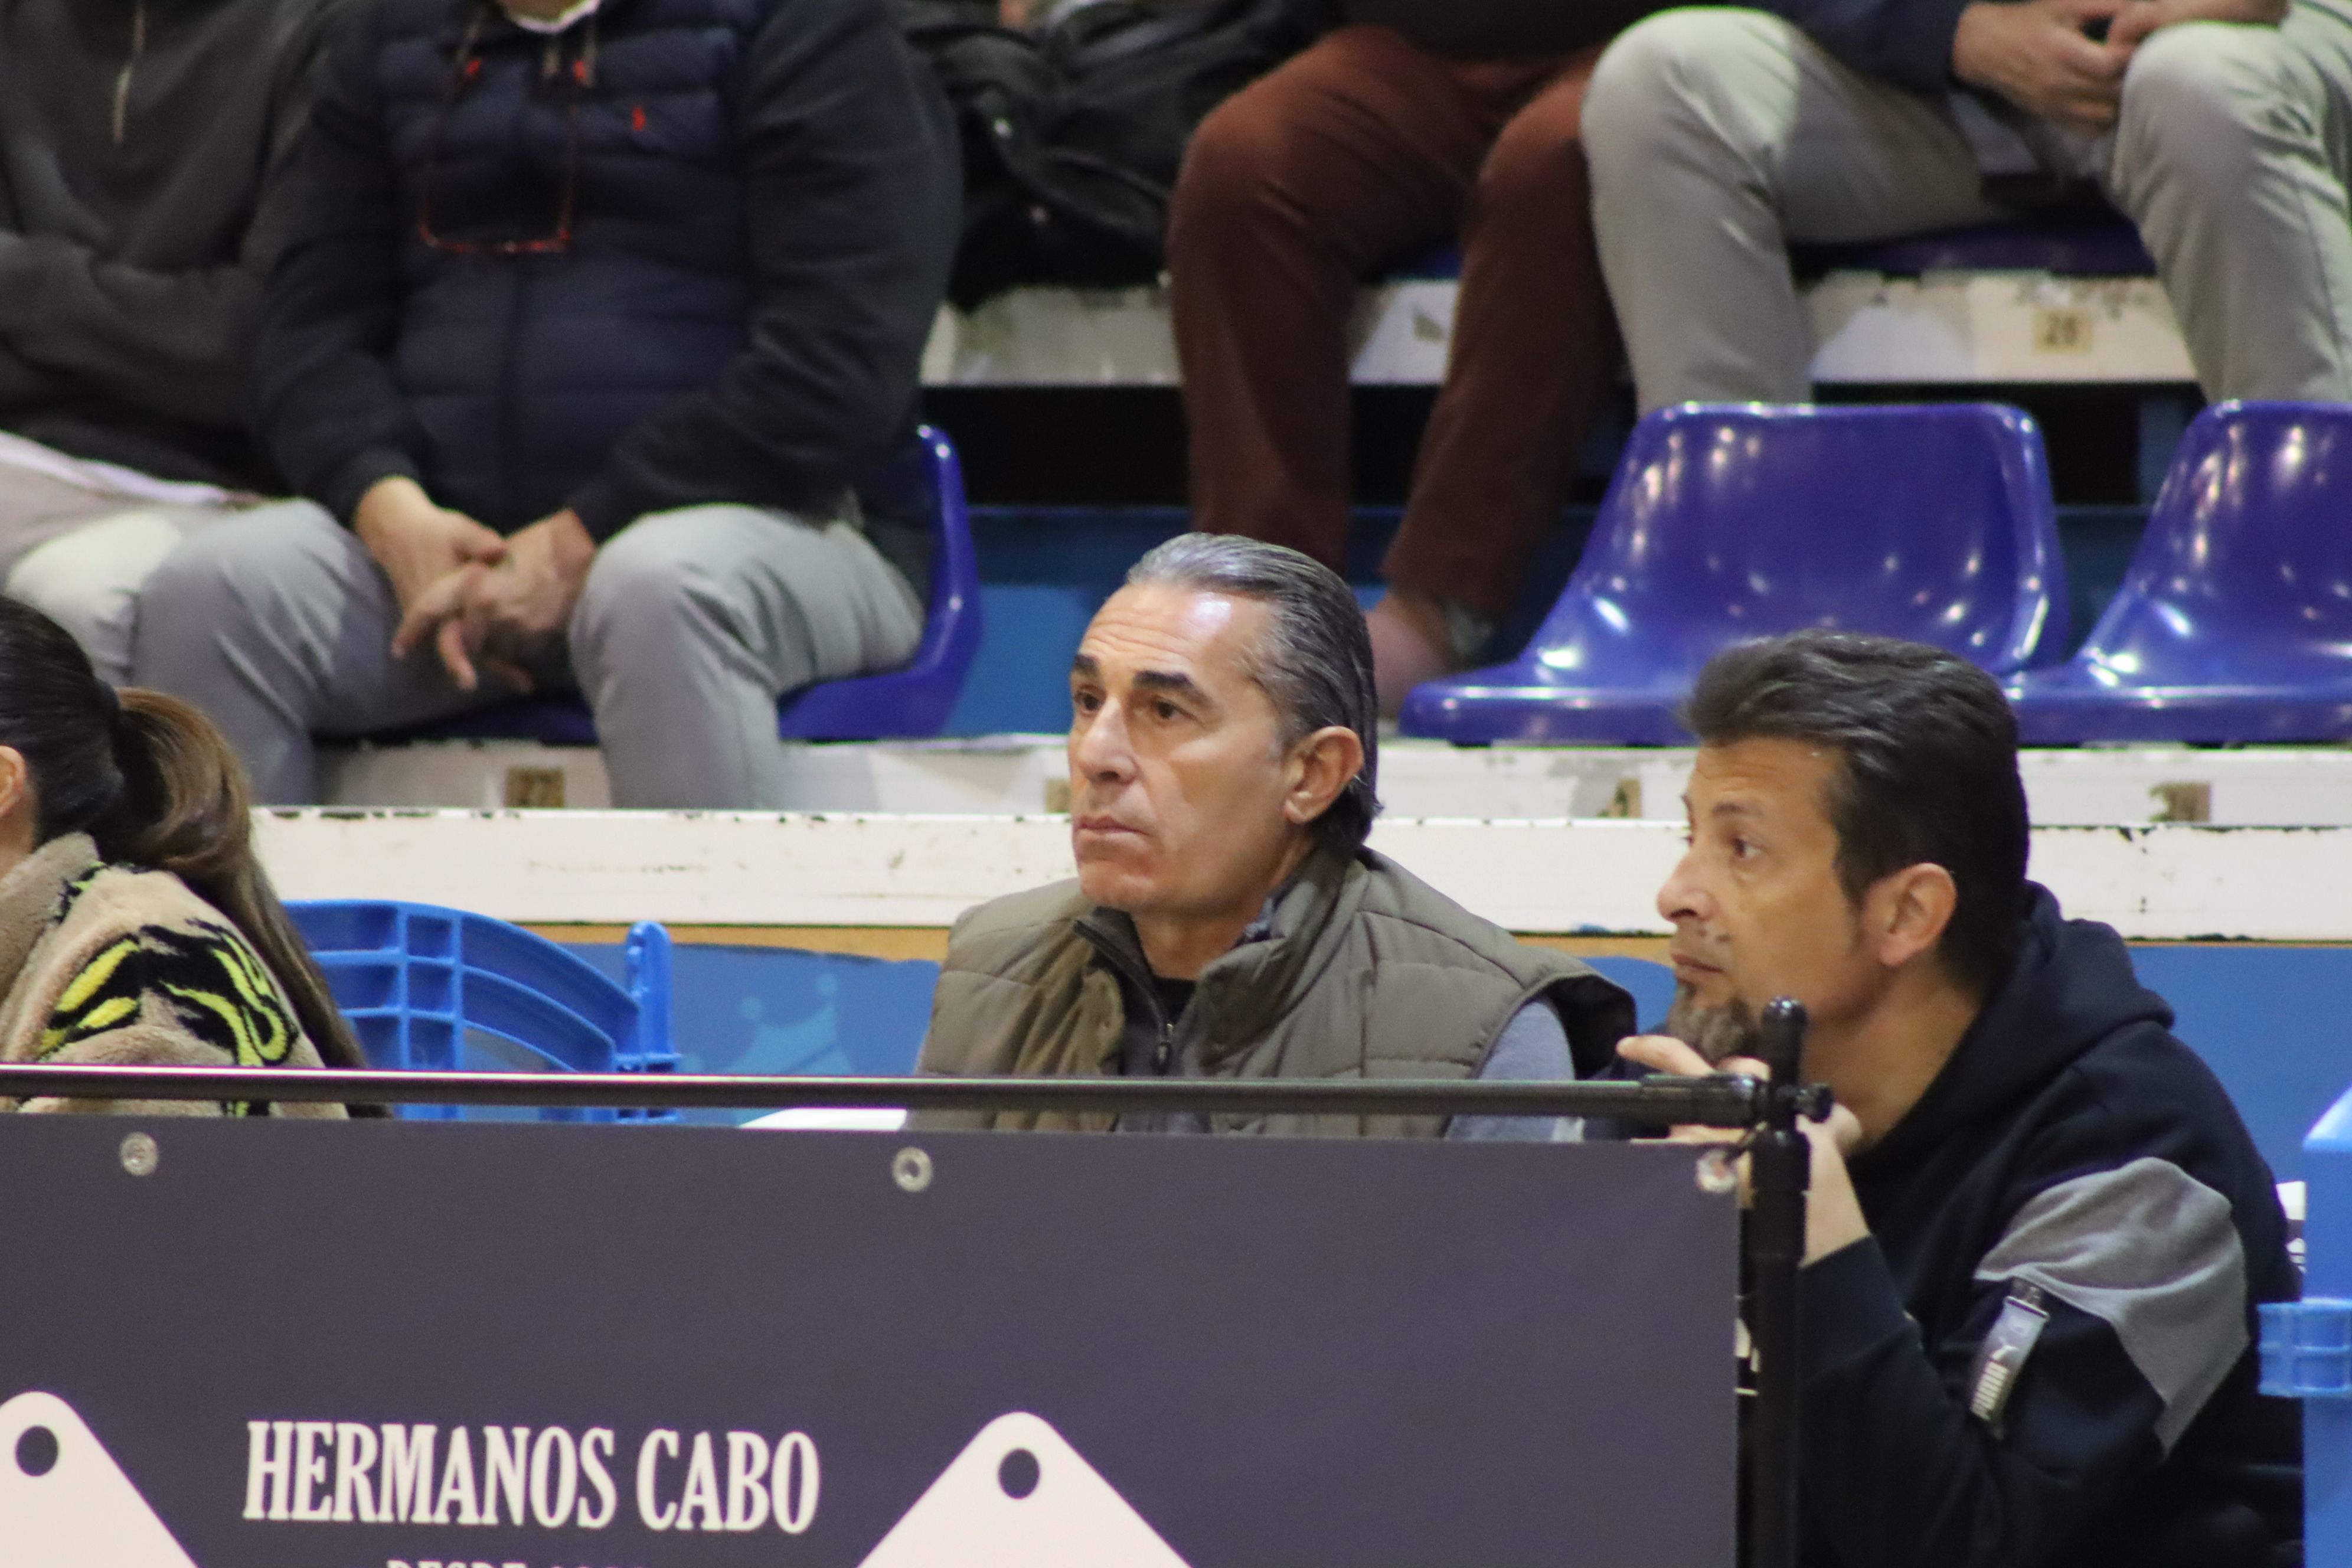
x=15 y=782
x=1320 y=768
x=1907 y=911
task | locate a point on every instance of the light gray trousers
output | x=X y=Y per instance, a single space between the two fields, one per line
x=278 y=624
x=78 y=548
x=1717 y=136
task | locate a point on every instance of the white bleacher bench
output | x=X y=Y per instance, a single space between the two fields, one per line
x=2249 y=786
x=2063 y=301
x=1938 y=328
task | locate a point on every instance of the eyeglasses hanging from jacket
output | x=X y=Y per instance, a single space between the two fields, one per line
x=470 y=207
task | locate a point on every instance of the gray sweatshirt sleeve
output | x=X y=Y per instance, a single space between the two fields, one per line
x=1534 y=1048
x=174 y=342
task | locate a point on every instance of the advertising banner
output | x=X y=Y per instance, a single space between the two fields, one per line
x=409 y=1346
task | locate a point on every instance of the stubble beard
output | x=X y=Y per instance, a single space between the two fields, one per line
x=1714 y=1033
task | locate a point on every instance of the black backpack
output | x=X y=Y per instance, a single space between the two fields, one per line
x=1072 y=135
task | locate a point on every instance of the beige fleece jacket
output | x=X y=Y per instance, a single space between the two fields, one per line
x=115 y=964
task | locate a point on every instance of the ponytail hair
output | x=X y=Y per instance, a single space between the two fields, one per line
x=156 y=786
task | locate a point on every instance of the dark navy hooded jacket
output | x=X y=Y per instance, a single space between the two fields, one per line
x=764 y=200
x=2071 y=1144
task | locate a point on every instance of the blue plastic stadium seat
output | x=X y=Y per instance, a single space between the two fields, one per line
x=917 y=699
x=2234 y=623
x=911 y=701
x=1433 y=263
x=413 y=979
x=2088 y=245
x=1731 y=521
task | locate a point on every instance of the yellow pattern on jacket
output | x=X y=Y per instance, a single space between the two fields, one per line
x=115 y=964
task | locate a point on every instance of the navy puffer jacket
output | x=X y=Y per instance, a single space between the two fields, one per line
x=761 y=210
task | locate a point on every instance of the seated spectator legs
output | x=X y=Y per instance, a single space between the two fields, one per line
x=80 y=555
x=2231 y=155
x=1715 y=138
x=1292 y=192
x=1297 y=189
x=1535 y=352
x=1719 y=136
x=694 y=621
x=278 y=623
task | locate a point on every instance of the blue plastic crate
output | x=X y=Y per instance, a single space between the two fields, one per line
x=2308 y=1349
x=413 y=979
x=2306 y=1346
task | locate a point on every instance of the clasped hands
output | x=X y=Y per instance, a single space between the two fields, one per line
x=2040 y=54
x=488 y=605
x=1833 y=1216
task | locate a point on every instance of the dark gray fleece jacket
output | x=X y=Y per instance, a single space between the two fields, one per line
x=140 y=142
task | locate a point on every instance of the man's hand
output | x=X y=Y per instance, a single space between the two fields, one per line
x=2035 y=54
x=417 y=542
x=2141 y=17
x=508 y=615
x=1832 y=1212
x=427 y=551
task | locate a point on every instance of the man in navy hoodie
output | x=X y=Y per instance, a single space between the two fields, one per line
x=2037 y=1229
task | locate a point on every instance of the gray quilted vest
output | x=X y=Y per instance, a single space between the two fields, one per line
x=1361 y=971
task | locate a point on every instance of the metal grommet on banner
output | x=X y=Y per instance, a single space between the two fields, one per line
x=911 y=1169
x=139 y=1154
x=1718 y=1171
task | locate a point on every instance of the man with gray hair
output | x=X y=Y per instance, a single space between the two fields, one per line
x=1227 y=919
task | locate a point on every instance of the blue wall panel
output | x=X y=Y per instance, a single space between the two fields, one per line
x=782 y=1010
x=2273 y=1021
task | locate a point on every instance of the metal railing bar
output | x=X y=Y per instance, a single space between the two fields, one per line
x=1725 y=1100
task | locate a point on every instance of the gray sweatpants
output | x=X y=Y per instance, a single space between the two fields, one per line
x=1717 y=136
x=79 y=549
x=278 y=623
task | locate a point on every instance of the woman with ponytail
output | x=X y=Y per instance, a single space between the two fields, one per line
x=135 y=924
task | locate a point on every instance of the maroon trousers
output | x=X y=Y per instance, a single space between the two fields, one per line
x=1299 y=187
